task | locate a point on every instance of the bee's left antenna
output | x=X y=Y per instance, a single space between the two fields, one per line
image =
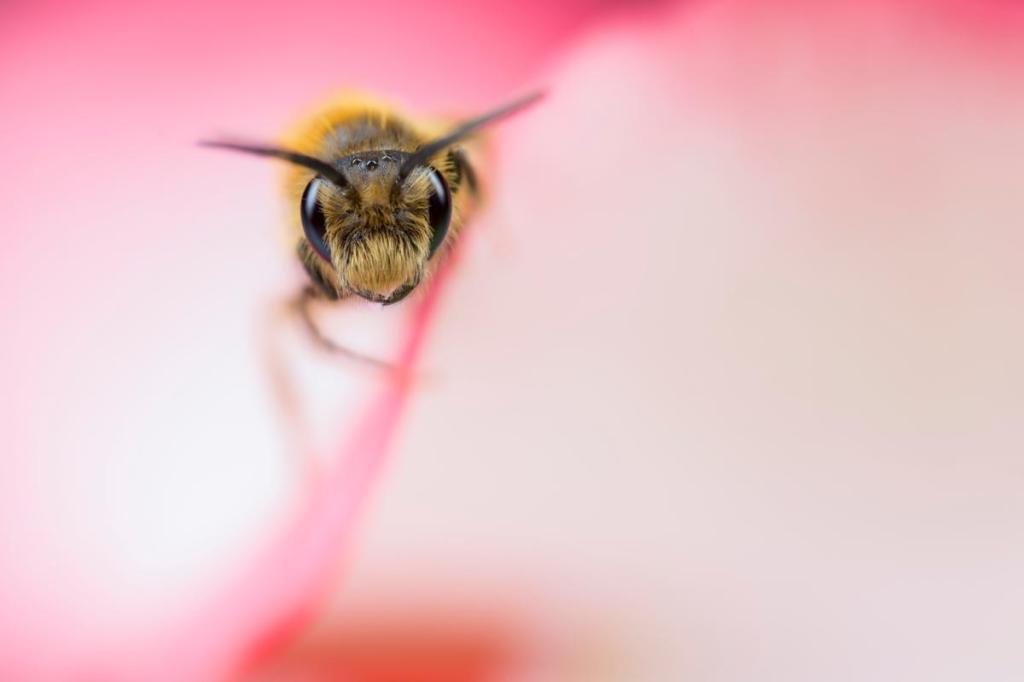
x=423 y=154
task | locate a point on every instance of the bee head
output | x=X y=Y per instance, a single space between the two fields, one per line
x=377 y=217
x=380 y=226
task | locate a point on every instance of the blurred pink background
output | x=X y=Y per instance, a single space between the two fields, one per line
x=726 y=384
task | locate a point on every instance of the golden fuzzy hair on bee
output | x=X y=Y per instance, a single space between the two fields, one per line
x=383 y=244
x=378 y=194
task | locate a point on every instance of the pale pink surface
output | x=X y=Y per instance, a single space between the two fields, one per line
x=733 y=363
x=733 y=387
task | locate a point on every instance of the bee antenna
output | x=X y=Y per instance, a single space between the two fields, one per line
x=423 y=154
x=324 y=169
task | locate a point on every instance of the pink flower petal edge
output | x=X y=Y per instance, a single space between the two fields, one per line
x=274 y=596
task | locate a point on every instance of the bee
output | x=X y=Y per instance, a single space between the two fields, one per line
x=380 y=199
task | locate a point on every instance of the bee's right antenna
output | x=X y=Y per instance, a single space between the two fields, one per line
x=326 y=170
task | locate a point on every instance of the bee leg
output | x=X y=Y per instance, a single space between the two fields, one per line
x=301 y=306
x=286 y=397
x=307 y=257
x=320 y=288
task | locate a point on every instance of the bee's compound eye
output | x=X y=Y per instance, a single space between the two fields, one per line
x=440 y=209
x=313 y=223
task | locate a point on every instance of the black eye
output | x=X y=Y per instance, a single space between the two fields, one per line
x=313 y=223
x=440 y=210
